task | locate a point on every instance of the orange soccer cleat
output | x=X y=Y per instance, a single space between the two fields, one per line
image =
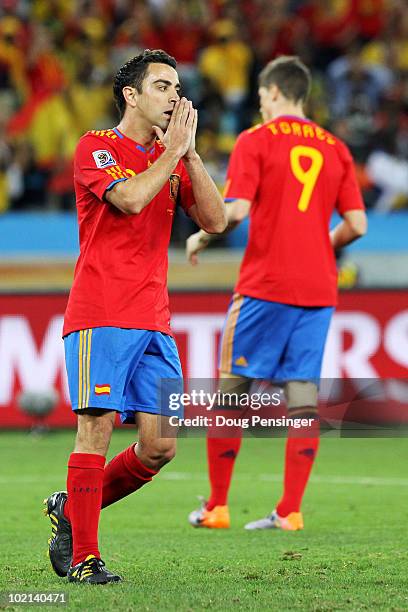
x=292 y=522
x=217 y=518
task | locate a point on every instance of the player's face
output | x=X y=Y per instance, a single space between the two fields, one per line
x=160 y=92
x=267 y=102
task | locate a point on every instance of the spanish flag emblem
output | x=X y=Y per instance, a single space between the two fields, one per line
x=102 y=389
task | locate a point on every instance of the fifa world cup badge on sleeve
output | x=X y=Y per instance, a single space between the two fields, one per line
x=103 y=159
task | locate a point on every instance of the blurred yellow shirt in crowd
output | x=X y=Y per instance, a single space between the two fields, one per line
x=44 y=9
x=4 y=196
x=62 y=119
x=53 y=132
x=227 y=63
x=377 y=52
x=14 y=58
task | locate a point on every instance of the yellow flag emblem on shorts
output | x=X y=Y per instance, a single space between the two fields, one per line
x=102 y=389
x=241 y=361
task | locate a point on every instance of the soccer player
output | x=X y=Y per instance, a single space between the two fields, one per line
x=289 y=175
x=117 y=336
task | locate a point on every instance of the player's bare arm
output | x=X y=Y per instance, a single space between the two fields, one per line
x=237 y=211
x=133 y=195
x=352 y=227
x=209 y=211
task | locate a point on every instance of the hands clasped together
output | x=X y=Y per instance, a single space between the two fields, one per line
x=180 y=135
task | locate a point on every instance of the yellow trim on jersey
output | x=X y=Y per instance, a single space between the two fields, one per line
x=228 y=337
x=117 y=173
x=109 y=133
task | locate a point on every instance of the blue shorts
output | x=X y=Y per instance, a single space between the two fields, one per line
x=274 y=341
x=126 y=370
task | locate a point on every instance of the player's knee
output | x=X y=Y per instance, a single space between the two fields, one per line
x=168 y=454
x=302 y=407
x=301 y=394
x=230 y=383
x=157 y=455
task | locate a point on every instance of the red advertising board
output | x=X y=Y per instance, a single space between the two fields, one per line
x=368 y=339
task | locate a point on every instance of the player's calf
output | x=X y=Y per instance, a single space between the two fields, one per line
x=94 y=433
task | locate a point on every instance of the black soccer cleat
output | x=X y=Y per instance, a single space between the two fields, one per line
x=60 y=543
x=92 y=571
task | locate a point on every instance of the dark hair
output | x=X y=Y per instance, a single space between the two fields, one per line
x=134 y=71
x=290 y=75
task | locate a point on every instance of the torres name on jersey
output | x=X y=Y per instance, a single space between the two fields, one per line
x=295 y=174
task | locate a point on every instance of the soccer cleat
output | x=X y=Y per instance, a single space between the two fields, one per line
x=92 y=571
x=292 y=522
x=60 y=543
x=217 y=518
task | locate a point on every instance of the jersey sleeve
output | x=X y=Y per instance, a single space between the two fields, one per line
x=185 y=195
x=244 y=169
x=349 y=197
x=95 y=165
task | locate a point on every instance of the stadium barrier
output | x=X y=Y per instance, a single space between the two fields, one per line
x=368 y=339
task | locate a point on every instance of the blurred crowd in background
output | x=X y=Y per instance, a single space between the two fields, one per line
x=58 y=58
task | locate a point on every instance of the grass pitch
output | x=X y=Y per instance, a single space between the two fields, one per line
x=352 y=555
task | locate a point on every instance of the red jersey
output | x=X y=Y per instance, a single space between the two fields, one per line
x=295 y=174
x=121 y=275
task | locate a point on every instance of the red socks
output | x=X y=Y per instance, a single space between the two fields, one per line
x=221 y=453
x=91 y=487
x=299 y=459
x=123 y=475
x=84 y=486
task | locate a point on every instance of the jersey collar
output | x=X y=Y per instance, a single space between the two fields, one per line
x=137 y=145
